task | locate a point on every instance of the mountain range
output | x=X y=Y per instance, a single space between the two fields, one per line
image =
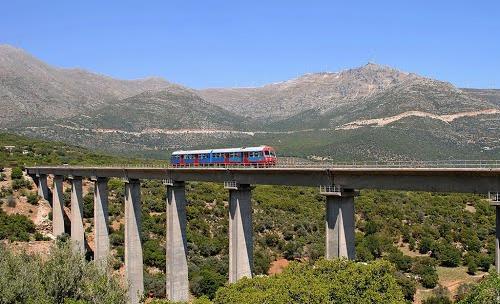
x=369 y=112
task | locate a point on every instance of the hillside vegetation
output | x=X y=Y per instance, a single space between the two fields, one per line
x=418 y=234
x=18 y=150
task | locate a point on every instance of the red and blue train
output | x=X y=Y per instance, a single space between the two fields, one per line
x=262 y=156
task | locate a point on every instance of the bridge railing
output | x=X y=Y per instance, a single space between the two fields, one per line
x=301 y=163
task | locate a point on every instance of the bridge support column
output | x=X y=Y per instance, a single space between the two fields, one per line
x=77 y=230
x=101 y=218
x=497 y=240
x=340 y=226
x=57 y=207
x=43 y=188
x=133 y=245
x=240 y=233
x=177 y=268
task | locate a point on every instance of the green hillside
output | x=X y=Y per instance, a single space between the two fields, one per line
x=419 y=233
x=16 y=150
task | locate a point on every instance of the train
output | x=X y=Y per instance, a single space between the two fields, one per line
x=261 y=156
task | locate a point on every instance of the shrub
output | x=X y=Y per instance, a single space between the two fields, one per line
x=21 y=183
x=484 y=261
x=17 y=173
x=463 y=291
x=62 y=277
x=426 y=245
x=88 y=205
x=206 y=283
x=425 y=267
x=15 y=227
x=154 y=254
x=486 y=291
x=470 y=262
x=262 y=261
x=154 y=285
x=327 y=281
x=447 y=254
x=408 y=286
x=401 y=261
x=33 y=198
x=41 y=237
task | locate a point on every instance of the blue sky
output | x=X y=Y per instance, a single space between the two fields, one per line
x=248 y=43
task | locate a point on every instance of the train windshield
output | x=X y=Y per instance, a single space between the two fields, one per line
x=270 y=153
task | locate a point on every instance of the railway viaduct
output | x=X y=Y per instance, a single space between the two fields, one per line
x=339 y=183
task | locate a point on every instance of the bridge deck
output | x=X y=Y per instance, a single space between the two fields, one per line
x=446 y=179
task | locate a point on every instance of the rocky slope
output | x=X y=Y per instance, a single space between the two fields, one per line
x=30 y=89
x=320 y=91
x=371 y=112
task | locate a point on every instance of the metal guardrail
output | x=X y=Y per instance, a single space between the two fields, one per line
x=330 y=189
x=296 y=163
x=231 y=185
x=494 y=197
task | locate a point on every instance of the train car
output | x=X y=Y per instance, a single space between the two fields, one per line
x=262 y=156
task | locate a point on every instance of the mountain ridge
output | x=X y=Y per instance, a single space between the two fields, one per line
x=155 y=115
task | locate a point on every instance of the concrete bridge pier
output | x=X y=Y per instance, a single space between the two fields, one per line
x=101 y=218
x=497 y=239
x=240 y=232
x=177 y=268
x=58 y=207
x=133 y=244
x=340 y=224
x=43 y=188
x=77 y=229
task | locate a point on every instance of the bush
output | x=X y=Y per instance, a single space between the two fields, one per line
x=408 y=286
x=154 y=285
x=17 y=173
x=61 y=277
x=206 y=283
x=426 y=245
x=327 y=281
x=33 y=198
x=463 y=291
x=447 y=254
x=15 y=227
x=21 y=183
x=88 y=205
x=425 y=268
x=401 y=261
x=440 y=295
x=486 y=291
x=154 y=254
x=41 y=237
x=484 y=261
x=262 y=261
x=470 y=262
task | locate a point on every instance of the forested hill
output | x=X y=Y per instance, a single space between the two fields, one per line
x=16 y=150
x=430 y=239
